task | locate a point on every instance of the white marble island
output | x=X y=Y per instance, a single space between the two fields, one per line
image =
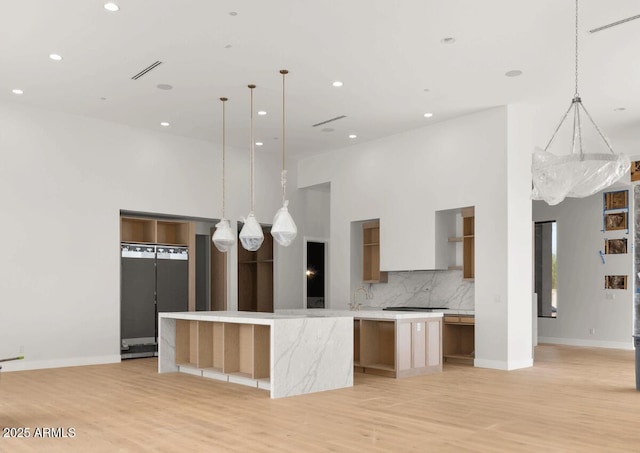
x=395 y=344
x=287 y=354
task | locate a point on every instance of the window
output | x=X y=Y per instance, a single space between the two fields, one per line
x=546 y=275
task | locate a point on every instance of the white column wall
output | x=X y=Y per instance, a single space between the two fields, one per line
x=64 y=180
x=404 y=179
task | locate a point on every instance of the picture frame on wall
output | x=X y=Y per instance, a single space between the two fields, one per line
x=635 y=170
x=615 y=282
x=615 y=221
x=615 y=246
x=616 y=200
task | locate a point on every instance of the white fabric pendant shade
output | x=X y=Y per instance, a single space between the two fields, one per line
x=223 y=238
x=578 y=174
x=251 y=235
x=284 y=229
x=574 y=175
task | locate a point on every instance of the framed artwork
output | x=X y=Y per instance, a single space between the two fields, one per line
x=616 y=200
x=615 y=246
x=615 y=282
x=615 y=221
x=635 y=170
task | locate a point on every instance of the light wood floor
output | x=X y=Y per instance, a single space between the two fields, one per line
x=572 y=400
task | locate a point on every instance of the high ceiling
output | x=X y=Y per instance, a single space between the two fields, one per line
x=388 y=54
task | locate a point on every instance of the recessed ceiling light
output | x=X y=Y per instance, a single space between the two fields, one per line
x=513 y=73
x=262 y=113
x=426 y=90
x=228 y=46
x=165 y=124
x=259 y=143
x=103 y=98
x=17 y=91
x=165 y=86
x=233 y=13
x=111 y=7
x=620 y=109
x=448 y=40
x=337 y=84
x=353 y=136
x=428 y=115
x=55 y=57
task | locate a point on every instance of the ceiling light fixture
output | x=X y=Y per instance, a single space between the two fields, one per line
x=619 y=109
x=578 y=174
x=233 y=13
x=448 y=40
x=223 y=238
x=164 y=86
x=513 y=73
x=353 y=136
x=428 y=115
x=111 y=7
x=337 y=84
x=259 y=143
x=284 y=229
x=165 y=124
x=251 y=235
x=55 y=57
x=17 y=91
x=262 y=113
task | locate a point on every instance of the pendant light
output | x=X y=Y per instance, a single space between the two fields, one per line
x=284 y=229
x=223 y=238
x=578 y=174
x=251 y=235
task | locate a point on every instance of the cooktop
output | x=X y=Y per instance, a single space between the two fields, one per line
x=415 y=308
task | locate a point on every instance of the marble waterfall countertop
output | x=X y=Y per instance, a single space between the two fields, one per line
x=304 y=354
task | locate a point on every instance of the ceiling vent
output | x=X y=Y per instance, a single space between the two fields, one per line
x=613 y=24
x=329 y=121
x=146 y=70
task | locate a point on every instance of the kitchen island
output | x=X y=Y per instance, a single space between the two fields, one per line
x=284 y=354
x=391 y=343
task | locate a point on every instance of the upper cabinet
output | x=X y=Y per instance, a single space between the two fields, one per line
x=455 y=240
x=371 y=253
x=468 y=243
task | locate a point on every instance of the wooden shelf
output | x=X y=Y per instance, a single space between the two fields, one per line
x=455 y=268
x=455 y=239
x=137 y=230
x=172 y=233
x=377 y=344
x=371 y=254
x=459 y=338
x=255 y=276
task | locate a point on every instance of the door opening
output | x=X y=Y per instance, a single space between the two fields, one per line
x=315 y=274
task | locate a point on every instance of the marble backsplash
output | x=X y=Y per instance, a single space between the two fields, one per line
x=421 y=289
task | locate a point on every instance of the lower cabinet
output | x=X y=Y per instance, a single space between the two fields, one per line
x=226 y=351
x=398 y=348
x=459 y=339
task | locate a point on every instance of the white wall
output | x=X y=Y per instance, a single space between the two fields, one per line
x=64 y=180
x=404 y=179
x=582 y=300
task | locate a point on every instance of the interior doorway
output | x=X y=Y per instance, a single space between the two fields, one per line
x=315 y=286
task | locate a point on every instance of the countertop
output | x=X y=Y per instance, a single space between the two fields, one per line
x=359 y=314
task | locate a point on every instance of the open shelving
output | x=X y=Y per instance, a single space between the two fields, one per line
x=227 y=351
x=371 y=254
x=459 y=338
x=255 y=277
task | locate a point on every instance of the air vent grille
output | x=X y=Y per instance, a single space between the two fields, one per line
x=146 y=70
x=613 y=24
x=329 y=121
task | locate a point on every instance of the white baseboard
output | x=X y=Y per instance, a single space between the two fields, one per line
x=25 y=365
x=502 y=365
x=588 y=343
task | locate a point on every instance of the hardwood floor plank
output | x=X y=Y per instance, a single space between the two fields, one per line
x=573 y=399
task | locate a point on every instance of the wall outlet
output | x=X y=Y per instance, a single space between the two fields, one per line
x=592 y=331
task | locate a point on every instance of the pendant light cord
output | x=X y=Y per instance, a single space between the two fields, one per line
x=283 y=177
x=224 y=143
x=251 y=149
x=576 y=92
